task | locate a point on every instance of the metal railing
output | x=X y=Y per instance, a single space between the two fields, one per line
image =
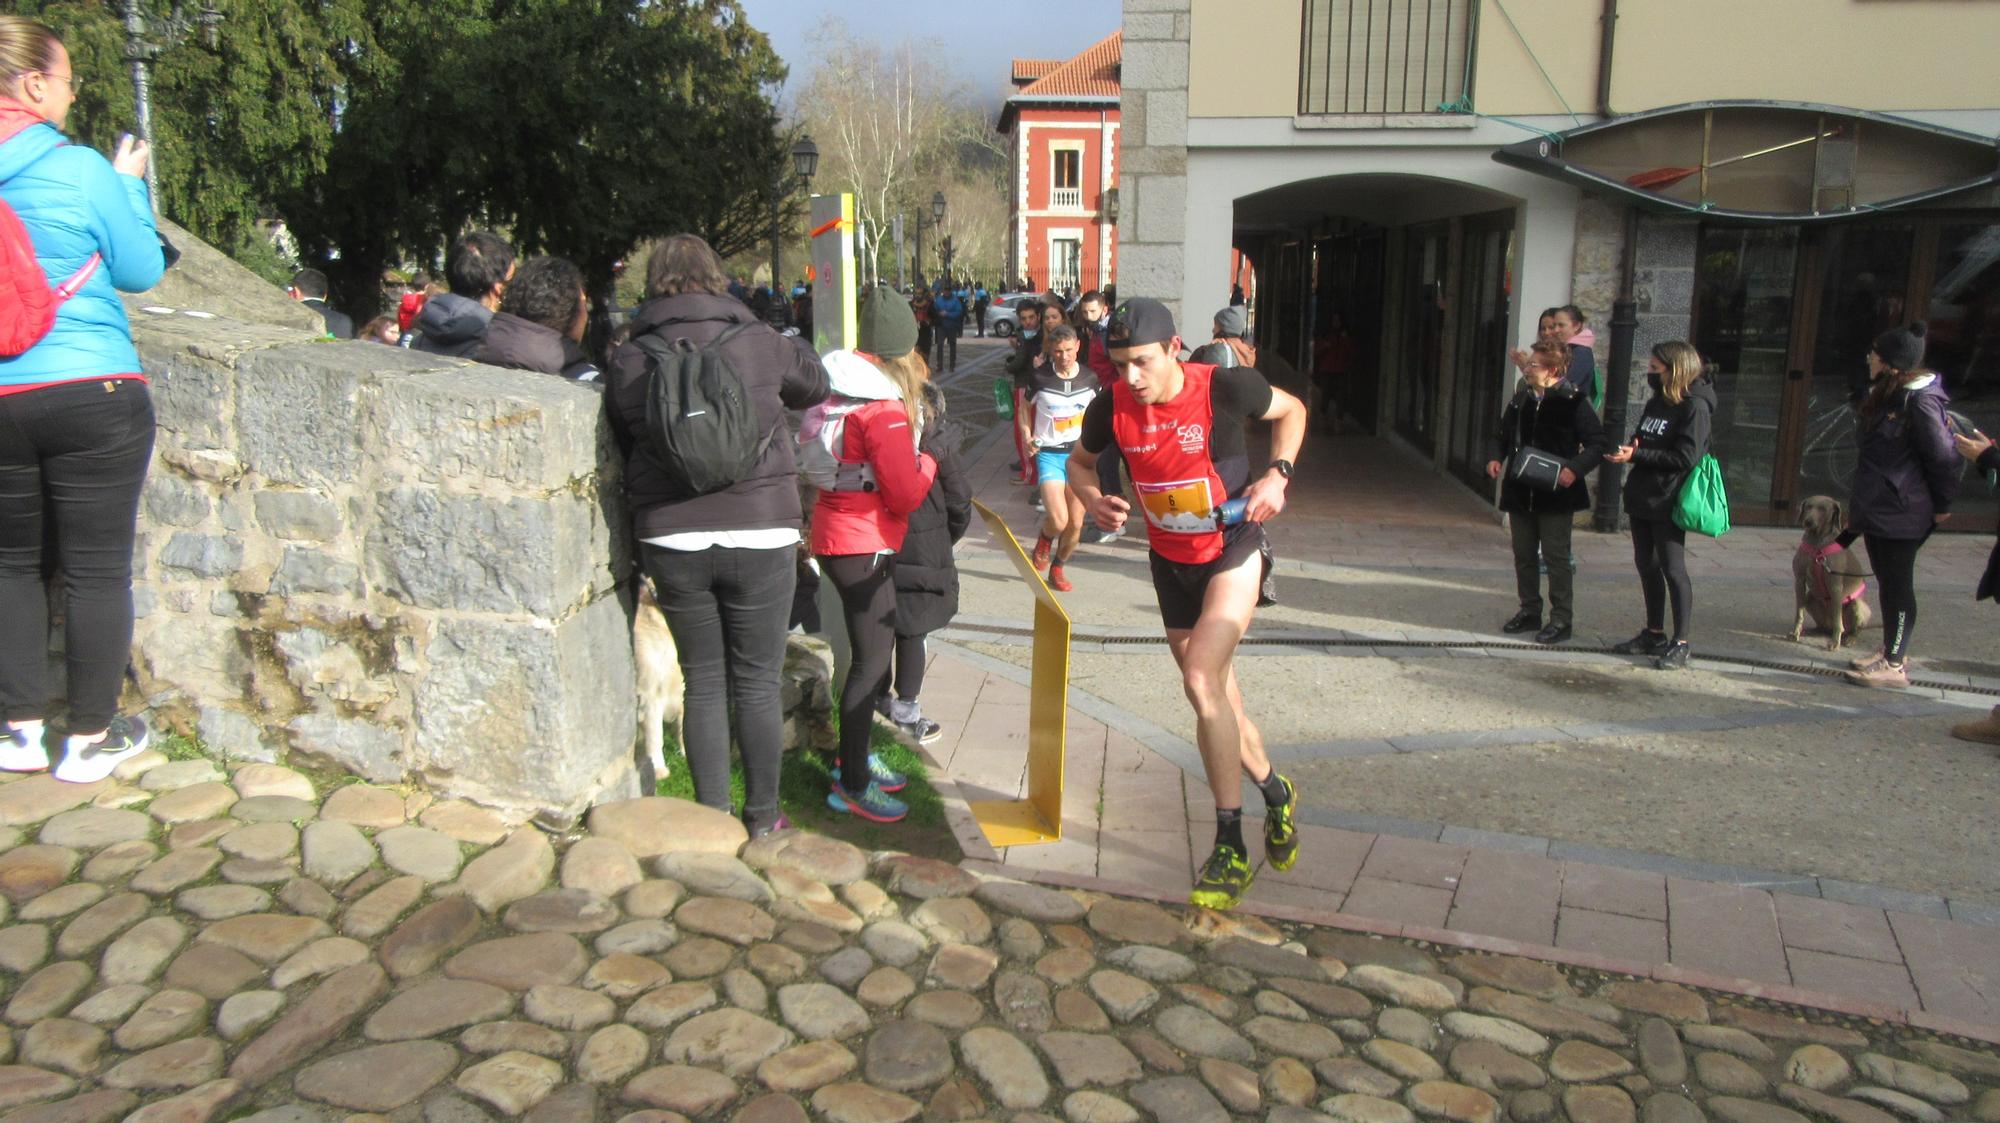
x=1385 y=56
x=1069 y=198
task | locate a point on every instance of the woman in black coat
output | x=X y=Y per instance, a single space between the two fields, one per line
x=926 y=576
x=1549 y=415
x=1672 y=438
x=1904 y=481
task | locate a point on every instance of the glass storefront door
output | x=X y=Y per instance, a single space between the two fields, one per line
x=1480 y=373
x=1864 y=282
x=1785 y=316
x=1416 y=385
x=1743 y=329
x=1964 y=341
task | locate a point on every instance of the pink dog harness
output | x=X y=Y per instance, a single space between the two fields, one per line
x=1821 y=588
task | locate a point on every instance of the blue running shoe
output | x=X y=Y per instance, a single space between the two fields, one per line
x=879 y=774
x=874 y=805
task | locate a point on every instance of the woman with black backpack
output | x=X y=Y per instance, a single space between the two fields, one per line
x=1906 y=478
x=721 y=561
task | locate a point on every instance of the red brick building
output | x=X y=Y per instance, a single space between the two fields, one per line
x=1063 y=120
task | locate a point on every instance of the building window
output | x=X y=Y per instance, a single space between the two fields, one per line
x=1065 y=263
x=1385 y=56
x=1066 y=179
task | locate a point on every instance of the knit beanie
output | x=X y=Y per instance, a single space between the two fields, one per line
x=888 y=329
x=1901 y=348
x=1233 y=322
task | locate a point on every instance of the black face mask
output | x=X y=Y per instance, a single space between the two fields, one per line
x=1653 y=380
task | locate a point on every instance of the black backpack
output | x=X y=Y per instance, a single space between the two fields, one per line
x=699 y=418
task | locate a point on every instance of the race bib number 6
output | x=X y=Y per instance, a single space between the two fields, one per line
x=1180 y=507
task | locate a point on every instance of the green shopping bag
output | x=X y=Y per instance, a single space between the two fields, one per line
x=1003 y=397
x=1703 y=506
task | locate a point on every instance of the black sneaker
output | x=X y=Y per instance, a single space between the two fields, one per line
x=1522 y=621
x=1223 y=881
x=1554 y=633
x=1674 y=658
x=1647 y=642
x=1281 y=836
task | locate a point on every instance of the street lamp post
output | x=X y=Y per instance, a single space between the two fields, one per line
x=937 y=216
x=141 y=52
x=805 y=161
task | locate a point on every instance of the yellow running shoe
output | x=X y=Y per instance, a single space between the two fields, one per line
x=1281 y=837
x=1223 y=881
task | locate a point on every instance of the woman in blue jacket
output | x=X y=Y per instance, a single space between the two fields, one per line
x=76 y=420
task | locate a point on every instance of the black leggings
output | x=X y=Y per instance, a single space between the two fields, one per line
x=868 y=602
x=727 y=610
x=73 y=460
x=909 y=667
x=1894 y=561
x=1659 y=549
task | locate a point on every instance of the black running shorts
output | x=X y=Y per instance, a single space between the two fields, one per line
x=1181 y=586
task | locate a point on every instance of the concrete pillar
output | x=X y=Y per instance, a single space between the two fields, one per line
x=1153 y=190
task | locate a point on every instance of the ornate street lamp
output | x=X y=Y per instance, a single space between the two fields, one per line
x=805 y=161
x=141 y=51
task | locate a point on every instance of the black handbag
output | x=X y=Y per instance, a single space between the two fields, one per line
x=1536 y=468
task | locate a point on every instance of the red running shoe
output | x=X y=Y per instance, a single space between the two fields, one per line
x=1057 y=581
x=1042 y=549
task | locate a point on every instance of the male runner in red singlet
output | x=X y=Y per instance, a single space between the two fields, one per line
x=1180 y=429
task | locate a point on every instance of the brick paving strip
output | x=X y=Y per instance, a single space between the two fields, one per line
x=187 y=942
x=1137 y=813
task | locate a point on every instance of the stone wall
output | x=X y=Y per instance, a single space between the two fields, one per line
x=402 y=565
x=1152 y=153
x=1662 y=284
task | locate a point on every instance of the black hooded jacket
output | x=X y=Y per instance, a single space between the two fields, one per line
x=451 y=324
x=1672 y=438
x=780 y=374
x=511 y=341
x=926 y=576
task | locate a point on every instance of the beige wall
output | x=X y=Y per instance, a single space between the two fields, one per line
x=1244 y=60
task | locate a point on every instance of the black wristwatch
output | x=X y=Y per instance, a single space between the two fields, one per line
x=1283 y=466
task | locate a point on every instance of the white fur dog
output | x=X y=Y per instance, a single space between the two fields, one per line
x=659 y=679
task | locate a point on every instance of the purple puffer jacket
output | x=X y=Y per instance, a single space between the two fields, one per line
x=1909 y=469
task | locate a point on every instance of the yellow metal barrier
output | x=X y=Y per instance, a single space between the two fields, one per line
x=1038 y=818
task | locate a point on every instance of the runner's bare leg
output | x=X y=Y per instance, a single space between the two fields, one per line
x=1228 y=740
x=1072 y=533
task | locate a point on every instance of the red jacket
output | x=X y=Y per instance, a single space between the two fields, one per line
x=865 y=522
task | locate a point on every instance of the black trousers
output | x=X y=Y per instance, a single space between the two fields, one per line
x=947 y=338
x=867 y=587
x=1894 y=561
x=73 y=461
x=910 y=652
x=1659 y=549
x=728 y=610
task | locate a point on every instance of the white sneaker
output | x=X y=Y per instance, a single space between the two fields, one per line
x=22 y=750
x=85 y=763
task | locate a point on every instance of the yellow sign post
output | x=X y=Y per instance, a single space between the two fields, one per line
x=1038 y=818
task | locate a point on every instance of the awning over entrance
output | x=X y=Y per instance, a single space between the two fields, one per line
x=1766 y=161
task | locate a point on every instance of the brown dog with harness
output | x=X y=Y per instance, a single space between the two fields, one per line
x=1828 y=581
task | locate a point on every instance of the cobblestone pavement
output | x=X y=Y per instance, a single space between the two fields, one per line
x=181 y=944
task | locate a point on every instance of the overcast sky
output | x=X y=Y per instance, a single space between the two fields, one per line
x=977 y=39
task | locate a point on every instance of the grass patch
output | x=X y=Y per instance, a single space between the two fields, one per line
x=806 y=779
x=180 y=746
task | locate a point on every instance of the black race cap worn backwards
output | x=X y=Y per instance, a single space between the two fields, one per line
x=1140 y=321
